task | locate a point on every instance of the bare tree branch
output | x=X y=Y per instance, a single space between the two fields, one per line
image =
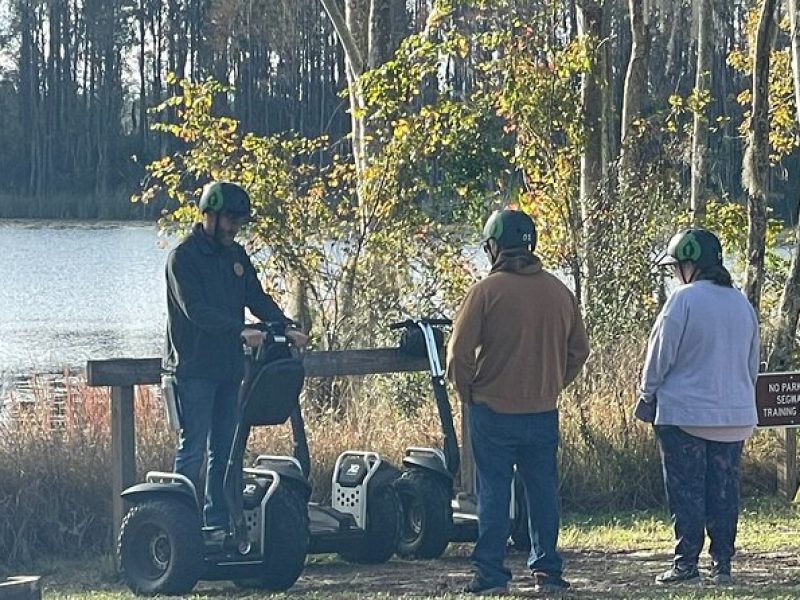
x=354 y=57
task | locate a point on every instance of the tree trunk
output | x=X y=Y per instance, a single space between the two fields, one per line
x=143 y=156
x=780 y=359
x=590 y=16
x=700 y=127
x=755 y=167
x=352 y=33
x=674 y=49
x=610 y=147
x=365 y=32
x=635 y=88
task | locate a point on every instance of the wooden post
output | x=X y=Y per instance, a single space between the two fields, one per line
x=467 y=459
x=787 y=464
x=123 y=450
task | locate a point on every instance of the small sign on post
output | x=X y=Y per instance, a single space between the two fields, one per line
x=778 y=399
x=778 y=405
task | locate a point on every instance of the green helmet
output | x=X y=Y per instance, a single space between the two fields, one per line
x=510 y=229
x=695 y=245
x=225 y=197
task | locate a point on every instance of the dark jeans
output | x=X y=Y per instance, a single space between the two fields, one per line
x=208 y=420
x=702 y=484
x=529 y=441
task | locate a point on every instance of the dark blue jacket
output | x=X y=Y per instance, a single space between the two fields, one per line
x=208 y=288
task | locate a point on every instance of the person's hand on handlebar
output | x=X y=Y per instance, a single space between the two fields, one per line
x=252 y=338
x=298 y=338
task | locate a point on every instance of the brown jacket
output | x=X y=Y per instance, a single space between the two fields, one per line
x=518 y=339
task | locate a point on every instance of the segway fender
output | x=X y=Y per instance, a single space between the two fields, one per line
x=290 y=475
x=428 y=463
x=150 y=491
x=386 y=474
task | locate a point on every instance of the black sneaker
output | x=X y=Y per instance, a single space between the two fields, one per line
x=479 y=587
x=721 y=573
x=677 y=575
x=545 y=583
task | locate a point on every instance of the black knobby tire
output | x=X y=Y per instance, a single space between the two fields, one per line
x=160 y=548
x=384 y=516
x=427 y=514
x=520 y=537
x=287 y=540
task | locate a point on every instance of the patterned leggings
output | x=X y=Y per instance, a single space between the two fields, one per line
x=701 y=478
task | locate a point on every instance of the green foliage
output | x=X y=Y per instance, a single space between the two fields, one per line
x=355 y=263
x=444 y=150
x=629 y=288
x=516 y=137
x=784 y=134
x=542 y=108
x=394 y=239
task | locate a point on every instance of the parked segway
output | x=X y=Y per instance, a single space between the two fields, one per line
x=434 y=511
x=163 y=547
x=362 y=522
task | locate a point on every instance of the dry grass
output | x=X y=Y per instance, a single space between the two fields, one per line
x=55 y=464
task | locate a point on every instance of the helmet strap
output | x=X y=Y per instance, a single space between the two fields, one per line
x=216 y=228
x=492 y=255
x=213 y=226
x=683 y=273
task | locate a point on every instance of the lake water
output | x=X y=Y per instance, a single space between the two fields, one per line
x=74 y=291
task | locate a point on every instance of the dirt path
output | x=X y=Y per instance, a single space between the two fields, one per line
x=596 y=575
x=592 y=574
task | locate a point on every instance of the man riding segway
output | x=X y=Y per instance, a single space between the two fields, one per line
x=210 y=281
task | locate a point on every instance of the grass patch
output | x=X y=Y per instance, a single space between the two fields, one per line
x=765 y=525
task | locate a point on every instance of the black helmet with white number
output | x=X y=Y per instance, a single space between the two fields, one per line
x=225 y=197
x=695 y=245
x=510 y=229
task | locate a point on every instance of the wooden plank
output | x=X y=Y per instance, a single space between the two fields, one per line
x=787 y=464
x=123 y=451
x=361 y=362
x=21 y=588
x=123 y=372
x=143 y=371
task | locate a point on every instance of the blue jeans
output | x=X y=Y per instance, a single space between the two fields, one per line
x=529 y=441
x=701 y=478
x=208 y=420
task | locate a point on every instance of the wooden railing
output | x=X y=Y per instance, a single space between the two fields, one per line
x=123 y=374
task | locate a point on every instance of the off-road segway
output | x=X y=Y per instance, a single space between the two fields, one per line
x=163 y=547
x=435 y=512
x=362 y=521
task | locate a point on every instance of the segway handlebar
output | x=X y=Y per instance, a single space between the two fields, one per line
x=274 y=331
x=412 y=322
x=272 y=327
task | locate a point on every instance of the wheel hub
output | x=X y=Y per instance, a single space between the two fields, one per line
x=414 y=520
x=160 y=551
